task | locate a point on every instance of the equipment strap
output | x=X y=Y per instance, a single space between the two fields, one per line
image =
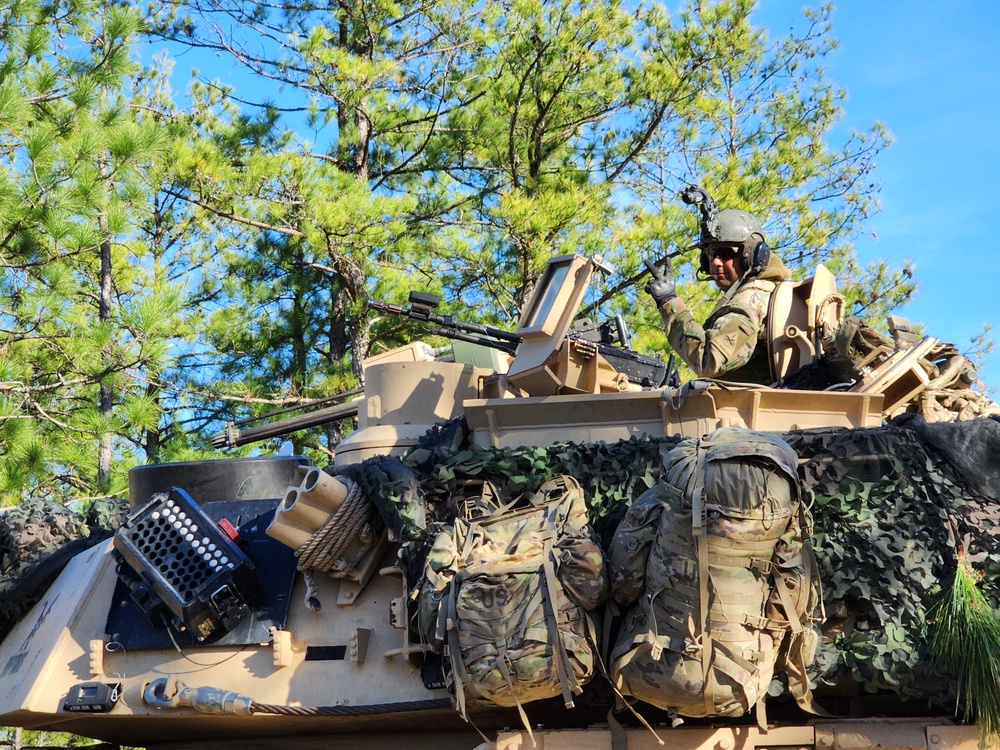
x=798 y=680
x=550 y=600
x=458 y=671
x=701 y=550
x=505 y=671
x=786 y=601
x=619 y=740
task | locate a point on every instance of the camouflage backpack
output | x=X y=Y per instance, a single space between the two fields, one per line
x=716 y=566
x=509 y=594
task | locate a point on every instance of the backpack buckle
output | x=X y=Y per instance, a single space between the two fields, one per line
x=484 y=505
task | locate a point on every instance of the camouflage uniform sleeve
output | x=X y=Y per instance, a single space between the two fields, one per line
x=729 y=337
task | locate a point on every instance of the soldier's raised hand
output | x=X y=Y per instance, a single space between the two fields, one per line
x=662 y=286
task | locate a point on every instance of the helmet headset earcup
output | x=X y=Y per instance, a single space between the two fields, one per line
x=703 y=265
x=756 y=256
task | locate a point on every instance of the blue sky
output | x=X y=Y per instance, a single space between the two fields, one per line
x=931 y=72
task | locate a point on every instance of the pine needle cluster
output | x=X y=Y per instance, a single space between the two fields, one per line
x=966 y=641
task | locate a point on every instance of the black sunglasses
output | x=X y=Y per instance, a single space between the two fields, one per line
x=723 y=253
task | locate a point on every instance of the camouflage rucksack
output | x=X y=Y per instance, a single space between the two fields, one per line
x=509 y=594
x=716 y=565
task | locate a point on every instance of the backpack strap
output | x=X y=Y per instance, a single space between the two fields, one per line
x=502 y=666
x=657 y=643
x=798 y=679
x=458 y=671
x=809 y=566
x=791 y=612
x=619 y=740
x=550 y=600
x=698 y=531
x=466 y=535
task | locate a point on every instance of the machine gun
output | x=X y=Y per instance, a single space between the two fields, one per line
x=613 y=339
x=421 y=309
x=610 y=341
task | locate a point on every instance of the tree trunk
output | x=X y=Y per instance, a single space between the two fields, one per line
x=104 y=315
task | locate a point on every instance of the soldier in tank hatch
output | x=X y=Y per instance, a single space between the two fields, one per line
x=731 y=344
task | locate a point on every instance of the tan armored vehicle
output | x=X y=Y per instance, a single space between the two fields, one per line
x=265 y=602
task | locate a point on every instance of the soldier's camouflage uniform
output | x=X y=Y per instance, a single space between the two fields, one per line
x=730 y=345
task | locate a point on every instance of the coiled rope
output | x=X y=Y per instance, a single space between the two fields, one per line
x=324 y=548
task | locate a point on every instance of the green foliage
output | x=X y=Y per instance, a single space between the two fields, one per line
x=451 y=147
x=980 y=345
x=79 y=332
x=18 y=738
x=965 y=640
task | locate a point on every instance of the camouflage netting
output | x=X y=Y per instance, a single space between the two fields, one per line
x=33 y=529
x=887 y=503
x=37 y=539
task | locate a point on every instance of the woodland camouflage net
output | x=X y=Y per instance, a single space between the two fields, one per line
x=37 y=538
x=887 y=504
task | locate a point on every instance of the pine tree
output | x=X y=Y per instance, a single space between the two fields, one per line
x=73 y=179
x=339 y=192
x=455 y=147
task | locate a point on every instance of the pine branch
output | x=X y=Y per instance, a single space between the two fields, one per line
x=966 y=641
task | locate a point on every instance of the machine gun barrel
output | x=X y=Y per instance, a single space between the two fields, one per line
x=450 y=327
x=236 y=435
x=459 y=336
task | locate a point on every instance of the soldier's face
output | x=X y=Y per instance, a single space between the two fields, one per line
x=725 y=264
